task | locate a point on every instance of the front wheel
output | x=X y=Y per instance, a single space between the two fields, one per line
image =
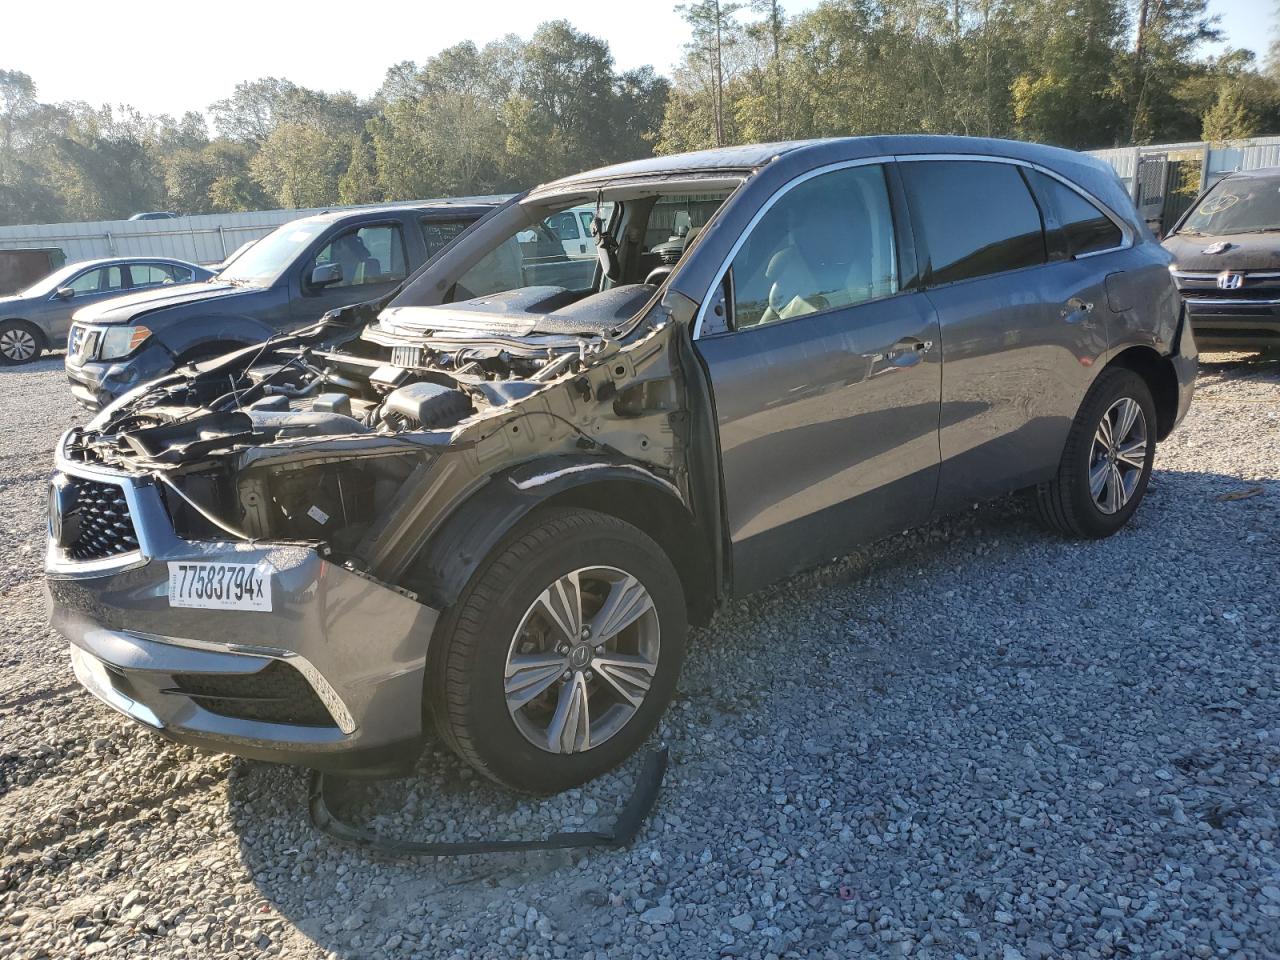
x=560 y=656
x=20 y=342
x=1107 y=459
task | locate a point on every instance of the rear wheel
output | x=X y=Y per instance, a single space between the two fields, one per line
x=20 y=342
x=1106 y=463
x=560 y=656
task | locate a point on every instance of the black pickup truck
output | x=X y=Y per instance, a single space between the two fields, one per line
x=288 y=279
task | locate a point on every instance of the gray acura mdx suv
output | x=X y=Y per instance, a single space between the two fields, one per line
x=499 y=498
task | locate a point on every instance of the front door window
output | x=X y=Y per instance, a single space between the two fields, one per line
x=824 y=245
x=372 y=254
x=102 y=280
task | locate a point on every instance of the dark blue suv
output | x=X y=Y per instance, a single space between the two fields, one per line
x=287 y=279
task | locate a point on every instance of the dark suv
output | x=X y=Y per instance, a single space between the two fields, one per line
x=1226 y=262
x=286 y=280
x=503 y=500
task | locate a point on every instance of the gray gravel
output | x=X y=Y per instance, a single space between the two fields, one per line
x=972 y=740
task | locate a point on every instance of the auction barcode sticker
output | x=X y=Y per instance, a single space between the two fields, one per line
x=219 y=586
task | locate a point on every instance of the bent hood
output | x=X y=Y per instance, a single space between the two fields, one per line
x=1237 y=251
x=133 y=306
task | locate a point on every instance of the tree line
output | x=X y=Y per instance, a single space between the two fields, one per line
x=516 y=112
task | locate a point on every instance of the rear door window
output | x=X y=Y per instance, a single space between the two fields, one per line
x=437 y=234
x=155 y=274
x=825 y=244
x=564 y=225
x=1085 y=228
x=977 y=218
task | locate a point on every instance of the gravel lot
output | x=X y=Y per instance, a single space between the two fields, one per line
x=972 y=740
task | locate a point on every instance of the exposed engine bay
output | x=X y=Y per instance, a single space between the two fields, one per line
x=316 y=437
x=361 y=434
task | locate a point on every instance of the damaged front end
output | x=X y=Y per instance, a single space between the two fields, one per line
x=329 y=462
x=356 y=449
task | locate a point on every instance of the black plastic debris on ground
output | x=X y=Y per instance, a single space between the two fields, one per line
x=621 y=834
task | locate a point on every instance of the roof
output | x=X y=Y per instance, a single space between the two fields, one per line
x=753 y=156
x=477 y=208
x=142 y=258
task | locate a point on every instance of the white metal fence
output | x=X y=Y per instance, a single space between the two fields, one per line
x=1215 y=159
x=203 y=239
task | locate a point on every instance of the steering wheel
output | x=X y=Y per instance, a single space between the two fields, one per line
x=657 y=275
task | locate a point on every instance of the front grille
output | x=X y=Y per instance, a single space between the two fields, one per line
x=276 y=694
x=83 y=342
x=102 y=524
x=1253 y=286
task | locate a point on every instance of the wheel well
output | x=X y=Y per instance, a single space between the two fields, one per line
x=207 y=351
x=1161 y=379
x=663 y=518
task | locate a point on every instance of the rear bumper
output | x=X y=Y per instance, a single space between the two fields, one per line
x=1186 y=365
x=95 y=383
x=355 y=647
x=1241 y=324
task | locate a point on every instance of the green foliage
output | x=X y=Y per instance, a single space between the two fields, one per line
x=1079 y=73
x=517 y=112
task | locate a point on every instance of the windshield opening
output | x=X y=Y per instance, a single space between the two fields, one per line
x=50 y=282
x=550 y=255
x=1238 y=205
x=557 y=251
x=263 y=262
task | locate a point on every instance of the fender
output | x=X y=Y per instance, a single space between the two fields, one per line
x=475 y=527
x=189 y=334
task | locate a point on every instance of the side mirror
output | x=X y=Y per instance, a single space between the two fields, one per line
x=64 y=293
x=326 y=274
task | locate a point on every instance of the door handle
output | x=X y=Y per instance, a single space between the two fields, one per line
x=907 y=352
x=1075 y=310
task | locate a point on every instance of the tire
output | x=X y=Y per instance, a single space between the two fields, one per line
x=1068 y=503
x=474 y=650
x=20 y=342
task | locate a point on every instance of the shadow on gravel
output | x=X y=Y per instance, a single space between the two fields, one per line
x=921 y=731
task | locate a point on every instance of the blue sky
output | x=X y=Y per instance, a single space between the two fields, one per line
x=167 y=58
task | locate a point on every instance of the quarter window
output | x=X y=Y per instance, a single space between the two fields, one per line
x=373 y=254
x=977 y=218
x=1085 y=228
x=827 y=243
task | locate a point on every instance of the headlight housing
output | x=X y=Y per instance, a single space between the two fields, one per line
x=122 y=341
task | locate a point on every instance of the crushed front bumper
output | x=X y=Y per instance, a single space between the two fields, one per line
x=95 y=383
x=235 y=681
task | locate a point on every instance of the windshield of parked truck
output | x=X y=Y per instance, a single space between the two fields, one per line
x=1237 y=205
x=263 y=263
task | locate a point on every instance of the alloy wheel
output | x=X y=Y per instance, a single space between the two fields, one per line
x=1118 y=455
x=18 y=345
x=582 y=659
